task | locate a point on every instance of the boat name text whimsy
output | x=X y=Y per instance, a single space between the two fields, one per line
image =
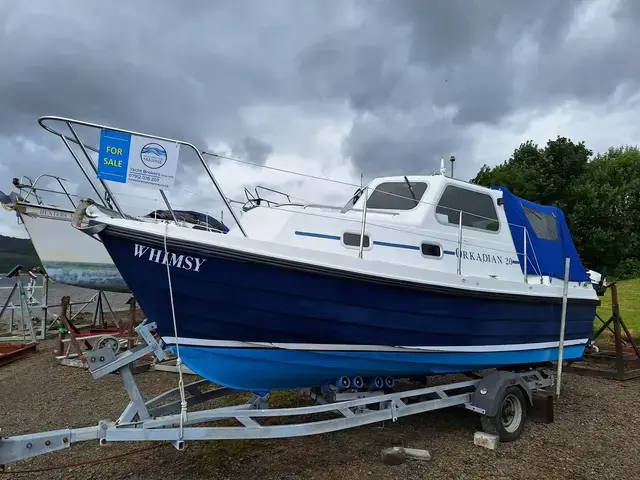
x=185 y=262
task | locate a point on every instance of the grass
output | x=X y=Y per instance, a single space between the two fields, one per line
x=629 y=299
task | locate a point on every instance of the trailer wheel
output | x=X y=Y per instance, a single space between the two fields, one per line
x=509 y=421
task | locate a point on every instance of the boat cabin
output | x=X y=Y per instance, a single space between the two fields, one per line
x=432 y=221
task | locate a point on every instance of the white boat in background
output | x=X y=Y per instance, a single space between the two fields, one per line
x=67 y=257
x=71 y=257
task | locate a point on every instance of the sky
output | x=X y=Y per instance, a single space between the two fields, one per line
x=336 y=89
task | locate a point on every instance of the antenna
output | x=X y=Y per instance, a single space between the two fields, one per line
x=442 y=169
x=452 y=159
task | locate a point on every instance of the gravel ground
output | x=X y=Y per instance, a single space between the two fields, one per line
x=596 y=434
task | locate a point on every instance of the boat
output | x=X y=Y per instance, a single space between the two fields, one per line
x=70 y=257
x=414 y=276
x=66 y=255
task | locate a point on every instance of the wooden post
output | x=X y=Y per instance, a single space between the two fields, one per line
x=64 y=306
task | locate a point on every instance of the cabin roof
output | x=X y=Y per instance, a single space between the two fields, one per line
x=435 y=181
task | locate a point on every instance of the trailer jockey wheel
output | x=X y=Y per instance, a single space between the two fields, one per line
x=509 y=421
x=110 y=342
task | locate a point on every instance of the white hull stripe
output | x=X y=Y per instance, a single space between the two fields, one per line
x=198 y=342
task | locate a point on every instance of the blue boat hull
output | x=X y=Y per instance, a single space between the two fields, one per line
x=257 y=369
x=221 y=299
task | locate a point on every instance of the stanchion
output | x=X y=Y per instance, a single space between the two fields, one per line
x=563 y=322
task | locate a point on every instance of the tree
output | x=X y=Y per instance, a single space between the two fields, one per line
x=543 y=175
x=600 y=197
x=605 y=218
x=14 y=251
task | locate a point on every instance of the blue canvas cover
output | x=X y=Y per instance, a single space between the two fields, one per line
x=547 y=236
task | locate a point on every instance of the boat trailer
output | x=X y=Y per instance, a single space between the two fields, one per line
x=501 y=397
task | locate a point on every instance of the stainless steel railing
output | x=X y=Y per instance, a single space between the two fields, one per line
x=32 y=188
x=108 y=197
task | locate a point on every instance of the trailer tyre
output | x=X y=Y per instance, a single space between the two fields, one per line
x=509 y=421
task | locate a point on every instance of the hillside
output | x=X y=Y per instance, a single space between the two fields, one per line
x=629 y=298
x=16 y=250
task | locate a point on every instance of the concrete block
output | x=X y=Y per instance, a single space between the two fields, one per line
x=486 y=440
x=417 y=453
x=398 y=455
x=393 y=456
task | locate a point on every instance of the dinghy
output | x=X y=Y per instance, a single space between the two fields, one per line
x=414 y=276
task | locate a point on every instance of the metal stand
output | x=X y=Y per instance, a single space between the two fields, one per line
x=70 y=351
x=99 y=317
x=26 y=314
x=617 y=364
x=10 y=349
x=28 y=301
x=46 y=325
x=98 y=314
x=156 y=420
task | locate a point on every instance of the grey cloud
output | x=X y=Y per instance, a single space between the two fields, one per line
x=252 y=150
x=410 y=145
x=415 y=74
x=358 y=63
x=144 y=66
x=473 y=44
x=591 y=68
x=465 y=48
x=447 y=33
x=410 y=58
x=463 y=55
x=155 y=67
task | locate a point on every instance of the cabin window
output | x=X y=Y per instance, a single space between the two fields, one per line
x=353 y=240
x=544 y=224
x=396 y=195
x=478 y=210
x=431 y=250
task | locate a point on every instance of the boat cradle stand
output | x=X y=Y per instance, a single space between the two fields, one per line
x=156 y=420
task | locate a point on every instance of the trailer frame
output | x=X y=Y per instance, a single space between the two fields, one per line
x=159 y=419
